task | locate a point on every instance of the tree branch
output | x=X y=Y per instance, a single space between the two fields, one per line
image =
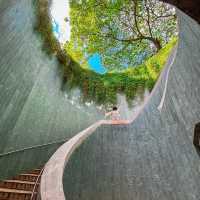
x=135 y=17
x=148 y=18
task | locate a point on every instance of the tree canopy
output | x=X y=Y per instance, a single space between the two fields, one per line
x=124 y=32
x=98 y=88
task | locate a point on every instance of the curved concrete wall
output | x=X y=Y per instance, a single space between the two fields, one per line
x=51 y=186
x=33 y=109
x=154 y=157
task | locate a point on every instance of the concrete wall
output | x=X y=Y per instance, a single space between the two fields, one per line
x=154 y=157
x=33 y=109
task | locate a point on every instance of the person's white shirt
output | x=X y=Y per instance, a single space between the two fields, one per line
x=114 y=115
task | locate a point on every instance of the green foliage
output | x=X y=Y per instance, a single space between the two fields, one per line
x=120 y=31
x=156 y=62
x=43 y=26
x=102 y=89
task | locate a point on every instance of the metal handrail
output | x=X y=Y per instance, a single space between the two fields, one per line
x=36 y=182
x=32 y=147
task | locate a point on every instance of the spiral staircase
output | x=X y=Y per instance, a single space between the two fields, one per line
x=159 y=139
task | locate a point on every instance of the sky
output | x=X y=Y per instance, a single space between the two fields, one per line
x=96 y=65
x=61 y=28
x=59 y=11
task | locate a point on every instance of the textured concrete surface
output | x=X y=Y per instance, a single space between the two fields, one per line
x=154 y=157
x=51 y=185
x=33 y=109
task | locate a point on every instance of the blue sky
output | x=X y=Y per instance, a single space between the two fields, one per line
x=59 y=11
x=95 y=63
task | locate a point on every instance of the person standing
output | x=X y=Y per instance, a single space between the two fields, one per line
x=114 y=114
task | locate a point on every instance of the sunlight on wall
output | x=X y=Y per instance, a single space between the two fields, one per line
x=61 y=26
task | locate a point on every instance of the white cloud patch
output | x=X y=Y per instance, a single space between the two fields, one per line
x=59 y=12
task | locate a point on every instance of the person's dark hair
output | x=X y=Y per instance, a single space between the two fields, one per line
x=114 y=108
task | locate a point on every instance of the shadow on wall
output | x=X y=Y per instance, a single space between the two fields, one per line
x=196 y=140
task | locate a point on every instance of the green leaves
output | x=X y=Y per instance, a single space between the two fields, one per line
x=95 y=31
x=121 y=30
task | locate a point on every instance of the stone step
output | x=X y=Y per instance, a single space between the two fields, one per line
x=18 y=181
x=21 y=187
x=12 y=194
x=26 y=177
x=17 y=184
x=6 y=190
x=35 y=171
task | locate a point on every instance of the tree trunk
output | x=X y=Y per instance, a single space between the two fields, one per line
x=157 y=44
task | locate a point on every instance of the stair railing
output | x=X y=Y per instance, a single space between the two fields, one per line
x=36 y=183
x=51 y=186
